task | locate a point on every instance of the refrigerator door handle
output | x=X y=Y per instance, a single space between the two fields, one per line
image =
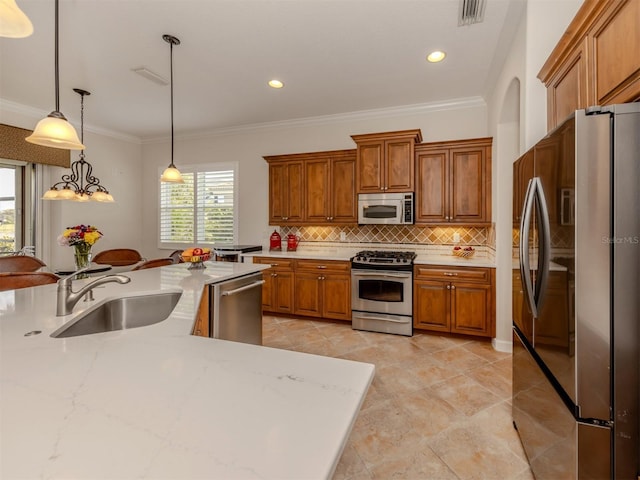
x=544 y=239
x=525 y=268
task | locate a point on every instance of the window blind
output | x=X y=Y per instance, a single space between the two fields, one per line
x=199 y=211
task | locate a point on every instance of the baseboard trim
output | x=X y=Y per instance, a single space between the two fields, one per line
x=501 y=345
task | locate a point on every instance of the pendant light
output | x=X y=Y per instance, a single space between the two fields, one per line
x=54 y=130
x=171 y=173
x=81 y=185
x=13 y=22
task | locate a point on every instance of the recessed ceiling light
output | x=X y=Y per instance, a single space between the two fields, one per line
x=276 y=83
x=437 y=56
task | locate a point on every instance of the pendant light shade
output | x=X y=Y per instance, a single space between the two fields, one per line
x=80 y=185
x=13 y=22
x=171 y=173
x=54 y=130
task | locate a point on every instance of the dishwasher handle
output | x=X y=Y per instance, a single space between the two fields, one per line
x=242 y=289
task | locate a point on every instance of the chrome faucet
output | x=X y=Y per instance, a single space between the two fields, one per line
x=67 y=298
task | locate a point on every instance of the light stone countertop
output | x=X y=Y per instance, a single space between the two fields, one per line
x=426 y=255
x=156 y=402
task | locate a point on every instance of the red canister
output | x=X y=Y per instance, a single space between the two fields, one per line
x=275 y=241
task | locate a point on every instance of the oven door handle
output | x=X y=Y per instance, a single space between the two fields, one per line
x=383 y=319
x=392 y=275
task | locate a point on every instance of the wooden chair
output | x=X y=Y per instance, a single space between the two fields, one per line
x=157 y=262
x=118 y=257
x=20 y=263
x=176 y=256
x=15 y=280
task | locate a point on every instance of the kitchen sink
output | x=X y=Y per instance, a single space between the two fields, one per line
x=121 y=314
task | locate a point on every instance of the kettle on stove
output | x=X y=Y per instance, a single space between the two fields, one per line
x=292 y=242
x=275 y=241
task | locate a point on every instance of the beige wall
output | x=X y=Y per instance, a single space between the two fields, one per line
x=539 y=30
x=247 y=149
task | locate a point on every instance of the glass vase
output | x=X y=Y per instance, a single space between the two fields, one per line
x=82 y=255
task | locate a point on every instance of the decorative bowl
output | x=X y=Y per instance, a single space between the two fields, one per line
x=196 y=261
x=464 y=253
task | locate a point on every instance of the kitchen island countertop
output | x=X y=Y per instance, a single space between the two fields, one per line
x=157 y=402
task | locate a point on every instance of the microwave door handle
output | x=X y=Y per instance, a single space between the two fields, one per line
x=525 y=268
x=544 y=240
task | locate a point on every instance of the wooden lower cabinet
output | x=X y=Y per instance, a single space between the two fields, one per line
x=454 y=300
x=323 y=289
x=307 y=288
x=278 y=289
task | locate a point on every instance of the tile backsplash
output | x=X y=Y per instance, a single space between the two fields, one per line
x=410 y=234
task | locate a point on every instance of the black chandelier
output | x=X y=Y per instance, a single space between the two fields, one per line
x=80 y=185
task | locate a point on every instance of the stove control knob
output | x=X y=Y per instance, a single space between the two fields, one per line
x=405 y=260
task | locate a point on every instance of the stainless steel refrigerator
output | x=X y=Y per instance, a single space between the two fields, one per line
x=576 y=291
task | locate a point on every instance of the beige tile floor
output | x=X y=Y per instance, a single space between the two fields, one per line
x=438 y=407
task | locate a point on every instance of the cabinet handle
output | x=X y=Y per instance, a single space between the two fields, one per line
x=328 y=218
x=321 y=266
x=274 y=274
x=331 y=218
x=448 y=287
x=453 y=287
x=275 y=264
x=320 y=278
x=449 y=274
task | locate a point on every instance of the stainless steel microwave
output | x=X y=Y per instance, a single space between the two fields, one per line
x=385 y=208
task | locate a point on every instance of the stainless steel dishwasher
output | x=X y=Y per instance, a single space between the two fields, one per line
x=236 y=309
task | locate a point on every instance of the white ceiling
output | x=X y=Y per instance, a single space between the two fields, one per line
x=334 y=56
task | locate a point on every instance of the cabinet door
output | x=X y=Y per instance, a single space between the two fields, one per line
x=471 y=309
x=343 y=191
x=201 y=327
x=567 y=90
x=468 y=185
x=431 y=306
x=336 y=296
x=277 y=197
x=268 y=291
x=431 y=188
x=307 y=294
x=399 y=166
x=294 y=192
x=283 y=291
x=370 y=167
x=317 y=190
x=615 y=45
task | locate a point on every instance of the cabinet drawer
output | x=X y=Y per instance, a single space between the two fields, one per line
x=274 y=262
x=453 y=274
x=325 y=266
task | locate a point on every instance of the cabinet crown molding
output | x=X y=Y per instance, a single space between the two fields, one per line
x=415 y=134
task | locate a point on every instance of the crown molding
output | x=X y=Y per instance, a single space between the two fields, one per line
x=37 y=114
x=416 y=109
x=378 y=113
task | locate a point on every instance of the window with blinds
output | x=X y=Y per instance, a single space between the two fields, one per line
x=200 y=210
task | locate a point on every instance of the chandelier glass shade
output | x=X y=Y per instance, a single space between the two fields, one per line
x=13 y=22
x=54 y=130
x=171 y=173
x=80 y=185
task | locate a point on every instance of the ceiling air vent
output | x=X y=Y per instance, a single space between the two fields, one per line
x=471 y=11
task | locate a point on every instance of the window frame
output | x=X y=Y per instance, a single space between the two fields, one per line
x=199 y=168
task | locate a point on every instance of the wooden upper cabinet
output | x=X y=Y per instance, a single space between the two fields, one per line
x=285 y=192
x=567 y=90
x=312 y=188
x=453 y=182
x=385 y=161
x=614 y=42
x=597 y=60
x=330 y=188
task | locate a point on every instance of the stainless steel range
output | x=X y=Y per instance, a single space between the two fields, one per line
x=382 y=292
